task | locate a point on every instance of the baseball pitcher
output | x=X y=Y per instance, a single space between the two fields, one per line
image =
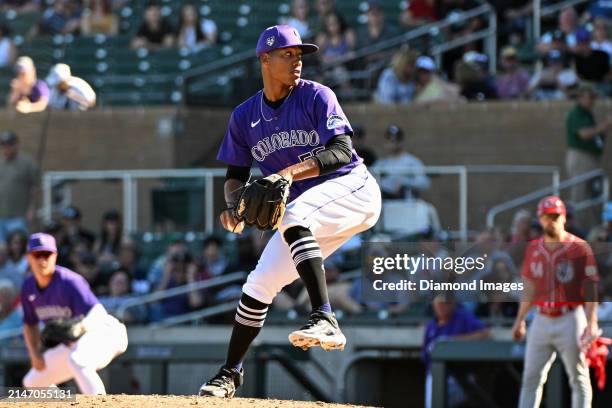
x=298 y=135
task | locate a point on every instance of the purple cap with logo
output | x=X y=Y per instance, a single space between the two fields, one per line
x=282 y=36
x=41 y=242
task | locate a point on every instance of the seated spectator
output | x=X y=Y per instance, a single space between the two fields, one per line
x=98 y=18
x=128 y=261
x=513 y=81
x=519 y=231
x=179 y=270
x=213 y=261
x=400 y=185
x=567 y=26
x=155 y=31
x=430 y=88
x=175 y=244
x=299 y=19
x=520 y=234
x=418 y=12
x=472 y=77
x=63 y=18
x=591 y=65
x=554 y=80
x=323 y=8
x=108 y=245
x=28 y=93
x=8 y=52
x=191 y=33
x=396 y=84
x=336 y=39
x=69 y=92
x=15 y=266
x=73 y=233
x=366 y=153
x=376 y=30
x=85 y=264
x=601 y=37
x=120 y=291
x=450 y=322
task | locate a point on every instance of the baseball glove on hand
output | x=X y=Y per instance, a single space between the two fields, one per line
x=61 y=331
x=262 y=203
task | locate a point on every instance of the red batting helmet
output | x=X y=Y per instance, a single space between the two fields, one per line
x=551 y=205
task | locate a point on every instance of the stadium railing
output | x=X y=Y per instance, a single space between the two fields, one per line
x=243 y=64
x=130 y=179
x=184 y=289
x=569 y=183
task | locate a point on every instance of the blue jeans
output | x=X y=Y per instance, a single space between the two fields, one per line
x=8 y=225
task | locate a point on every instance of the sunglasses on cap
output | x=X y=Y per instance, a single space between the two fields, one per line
x=42 y=254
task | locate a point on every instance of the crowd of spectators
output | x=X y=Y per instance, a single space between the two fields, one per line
x=573 y=49
x=575 y=52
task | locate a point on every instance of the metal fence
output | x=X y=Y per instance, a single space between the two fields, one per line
x=130 y=178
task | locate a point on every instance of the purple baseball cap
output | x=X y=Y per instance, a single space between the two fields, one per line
x=41 y=242
x=282 y=36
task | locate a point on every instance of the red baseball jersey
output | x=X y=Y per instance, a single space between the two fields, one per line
x=560 y=274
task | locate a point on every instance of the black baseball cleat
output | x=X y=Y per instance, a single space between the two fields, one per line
x=224 y=384
x=321 y=330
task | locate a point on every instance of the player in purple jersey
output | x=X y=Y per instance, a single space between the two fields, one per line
x=54 y=292
x=294 y=128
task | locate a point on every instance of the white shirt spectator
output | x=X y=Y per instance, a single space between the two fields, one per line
x=69 y=92
x=393 y=183
x=391 y=90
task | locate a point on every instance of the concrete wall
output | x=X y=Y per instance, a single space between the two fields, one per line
x=490 y=133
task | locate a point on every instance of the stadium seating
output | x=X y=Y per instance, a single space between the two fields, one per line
x=123 y=77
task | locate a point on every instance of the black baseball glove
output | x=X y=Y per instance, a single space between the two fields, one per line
x=61 y=331
x=262 y=203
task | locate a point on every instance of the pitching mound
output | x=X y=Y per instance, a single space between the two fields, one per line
x=170 y=401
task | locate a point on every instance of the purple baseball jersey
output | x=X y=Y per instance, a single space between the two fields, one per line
x=294 y=132
x=39 y=90
x=68 y=296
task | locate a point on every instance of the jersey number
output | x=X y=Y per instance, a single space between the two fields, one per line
x=311 y=154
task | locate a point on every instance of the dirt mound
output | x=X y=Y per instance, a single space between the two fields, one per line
x=171 y=401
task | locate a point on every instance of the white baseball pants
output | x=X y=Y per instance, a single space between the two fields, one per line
x=333 y=211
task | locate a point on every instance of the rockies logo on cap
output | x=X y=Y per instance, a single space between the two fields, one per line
x=270 y=41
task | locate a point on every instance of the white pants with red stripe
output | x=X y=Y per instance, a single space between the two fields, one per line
x=334 y=211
